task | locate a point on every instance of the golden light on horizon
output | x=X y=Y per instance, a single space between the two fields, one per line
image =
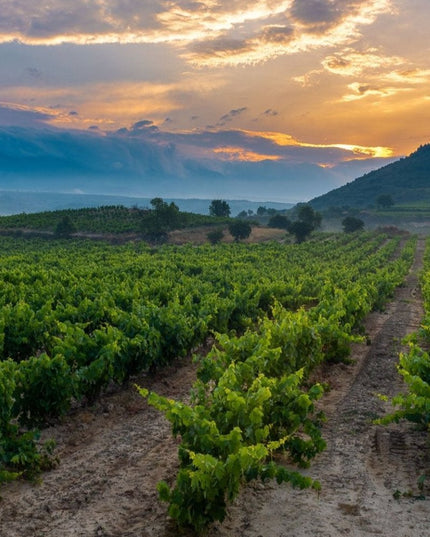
x=283 y=139
x=242 y=154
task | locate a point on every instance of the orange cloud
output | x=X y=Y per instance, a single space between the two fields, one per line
x=204 y=31
x=363 y=90
x=354 y=63
x=357 y=151
x=242 y=154
x=275 y=40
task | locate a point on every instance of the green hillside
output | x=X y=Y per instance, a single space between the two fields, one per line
x=105 y=219
x=407 y=181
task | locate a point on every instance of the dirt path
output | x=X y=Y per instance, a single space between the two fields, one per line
x=113 y=454
x=364 y=464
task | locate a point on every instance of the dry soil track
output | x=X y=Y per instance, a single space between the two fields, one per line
x=113 y=454
x=364 y=464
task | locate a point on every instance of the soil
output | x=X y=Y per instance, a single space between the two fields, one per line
x=112 y=455
x=198 y=235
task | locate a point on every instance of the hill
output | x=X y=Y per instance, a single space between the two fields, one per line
x=112 y=219
x=407 y=181
x=17 y=202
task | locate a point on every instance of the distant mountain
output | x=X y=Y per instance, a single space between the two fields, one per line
x=406 y=180
x=15 y=202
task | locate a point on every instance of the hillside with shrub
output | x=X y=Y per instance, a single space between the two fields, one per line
x=407 y=181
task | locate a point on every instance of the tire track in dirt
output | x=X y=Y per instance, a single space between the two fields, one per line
x=364 y=464
x=112 y=456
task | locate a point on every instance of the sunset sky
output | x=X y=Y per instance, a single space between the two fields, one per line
x=327 y=83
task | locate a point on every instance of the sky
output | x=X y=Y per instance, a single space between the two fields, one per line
x=316 y=91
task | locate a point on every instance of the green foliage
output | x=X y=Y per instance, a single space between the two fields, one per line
x=413 y=406
x=228 y=437
x=249 y=401
x=307 y=221
x=301 y=230
x=77 y=315
x=351 y=224
x=20 y=454
x=279 y=221
x=65 y=227
x=106 y=219
x=239 y=229
x=384 y=201
x=414 y=367
x=45 y=390
x=219 y=208
x=307 y=214
x=215 y=236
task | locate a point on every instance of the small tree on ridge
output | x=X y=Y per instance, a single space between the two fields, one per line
x=219 y=208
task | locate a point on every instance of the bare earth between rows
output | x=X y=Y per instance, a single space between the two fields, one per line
x=113 y=454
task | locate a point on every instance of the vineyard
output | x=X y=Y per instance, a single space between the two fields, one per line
x=77 y=317
x=115 y=219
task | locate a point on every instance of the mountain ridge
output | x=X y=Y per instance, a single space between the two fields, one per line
x=15 y=202
x=406 y=180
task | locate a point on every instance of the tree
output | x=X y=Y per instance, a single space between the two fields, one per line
x=219 y=208
x=261 y=210
x=240 y=229
x=65 y=227
x=215 y=236
x=163 y=217
x=301 y=230
x=384 y=201
x=306 y=213
x=351 y=224
x=279 y=221
x=308 y=220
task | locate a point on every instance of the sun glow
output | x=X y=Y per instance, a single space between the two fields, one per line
x=242 y=154
x=358 y=151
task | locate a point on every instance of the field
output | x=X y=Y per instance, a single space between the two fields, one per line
x=270 y=324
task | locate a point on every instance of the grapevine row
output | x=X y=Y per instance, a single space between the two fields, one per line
x=76 y=315
x=249 y=401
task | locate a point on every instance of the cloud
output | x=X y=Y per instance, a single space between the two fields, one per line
x=23 y=116
x=240 y=154
x=142 y=124
x=408 y=77
x=380 y=75
x=80 y=21
x=294 y=27
x=110 y=104
x=141 y=160
x=276 y=34
x=318 y=12
x=350 y=62
x=206 y=32
x=362 y=90
x=270 y=112
x=230 y=116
